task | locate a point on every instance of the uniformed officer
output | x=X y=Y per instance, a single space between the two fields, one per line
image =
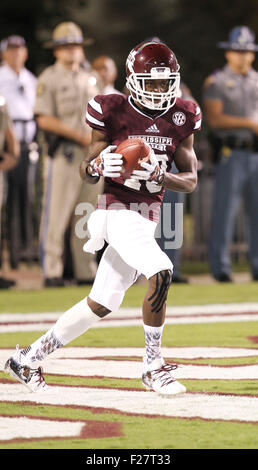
x=9 y=152
x=63 y=92
x=18 y=86
x=231 y=107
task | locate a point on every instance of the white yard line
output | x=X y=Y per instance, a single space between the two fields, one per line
x=132 y=317
x=12 y=328
x=241 y=307
x=68 y=353
x=26 y=428
x=213 y=407
x=181 y=352
x=133 y=369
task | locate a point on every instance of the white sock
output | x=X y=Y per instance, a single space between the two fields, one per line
x=73 y=323
x=153 y=336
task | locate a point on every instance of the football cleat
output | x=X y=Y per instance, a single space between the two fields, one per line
x=158 y=378
x=31 y=378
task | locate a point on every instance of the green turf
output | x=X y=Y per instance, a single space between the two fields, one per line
x=50 y=300
x=145 y=432
x=140 y=432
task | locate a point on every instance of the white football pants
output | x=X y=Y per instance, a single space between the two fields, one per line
x=132 y=251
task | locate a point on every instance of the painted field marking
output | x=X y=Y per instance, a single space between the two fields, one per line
x=25 y=428
x=241 y=307
x=38 y=326
x=215 y=407
x=32 y=427
x=77 y=362
x=195 y=352
x=132 y=317
x=63 y=362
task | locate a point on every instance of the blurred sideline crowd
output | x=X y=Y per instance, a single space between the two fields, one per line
x=44 y=137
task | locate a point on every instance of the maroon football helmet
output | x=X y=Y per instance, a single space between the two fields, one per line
x=152 y=60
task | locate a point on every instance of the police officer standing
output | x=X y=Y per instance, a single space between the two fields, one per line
x=18 y=86
x=231 y=107
x=9 y=152
x=63 y=92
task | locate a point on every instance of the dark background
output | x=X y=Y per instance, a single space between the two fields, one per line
x=191 y=28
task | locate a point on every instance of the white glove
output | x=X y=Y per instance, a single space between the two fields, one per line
x=107 y=163
x=153 y=172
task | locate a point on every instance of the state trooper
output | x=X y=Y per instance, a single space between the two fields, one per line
x=9 y=152
x=230 y=100
x=63 y=92
x=18 y=86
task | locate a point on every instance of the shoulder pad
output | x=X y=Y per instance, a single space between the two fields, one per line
x=186 y=105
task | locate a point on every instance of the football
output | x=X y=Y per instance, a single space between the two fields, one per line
x=134 y=152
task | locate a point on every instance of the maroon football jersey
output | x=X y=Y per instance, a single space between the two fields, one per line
x=119 y=118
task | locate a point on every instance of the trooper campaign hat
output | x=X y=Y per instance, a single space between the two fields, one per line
x=12 y=42
x=67 y=33
x=240 y=39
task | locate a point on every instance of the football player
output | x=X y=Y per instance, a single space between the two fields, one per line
x=128 y=210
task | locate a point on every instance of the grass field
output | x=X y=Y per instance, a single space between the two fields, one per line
x=102 y=392
x=50 y=300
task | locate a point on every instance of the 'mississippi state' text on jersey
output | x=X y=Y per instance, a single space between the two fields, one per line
x=119 y=118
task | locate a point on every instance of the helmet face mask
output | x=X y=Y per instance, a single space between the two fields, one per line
x=155 y=62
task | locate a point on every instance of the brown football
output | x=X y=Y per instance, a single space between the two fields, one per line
x=134 y=151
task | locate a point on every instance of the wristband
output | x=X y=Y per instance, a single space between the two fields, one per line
x=92 y=174
x=161 y=178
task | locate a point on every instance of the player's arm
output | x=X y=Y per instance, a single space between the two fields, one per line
x=100 y=160
x=185 y=180
x=185 y=159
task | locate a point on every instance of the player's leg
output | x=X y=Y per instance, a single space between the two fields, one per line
x=114 y=276
x=24 y=365
x=157 y=375
x=133 y=236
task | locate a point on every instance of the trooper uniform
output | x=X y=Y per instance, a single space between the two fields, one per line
x=4 y=118
x=5 y=123
x=65 y=94
x=237 y=157
x=19 y=90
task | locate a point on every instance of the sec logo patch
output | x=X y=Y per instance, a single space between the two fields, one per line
x=179 y=118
